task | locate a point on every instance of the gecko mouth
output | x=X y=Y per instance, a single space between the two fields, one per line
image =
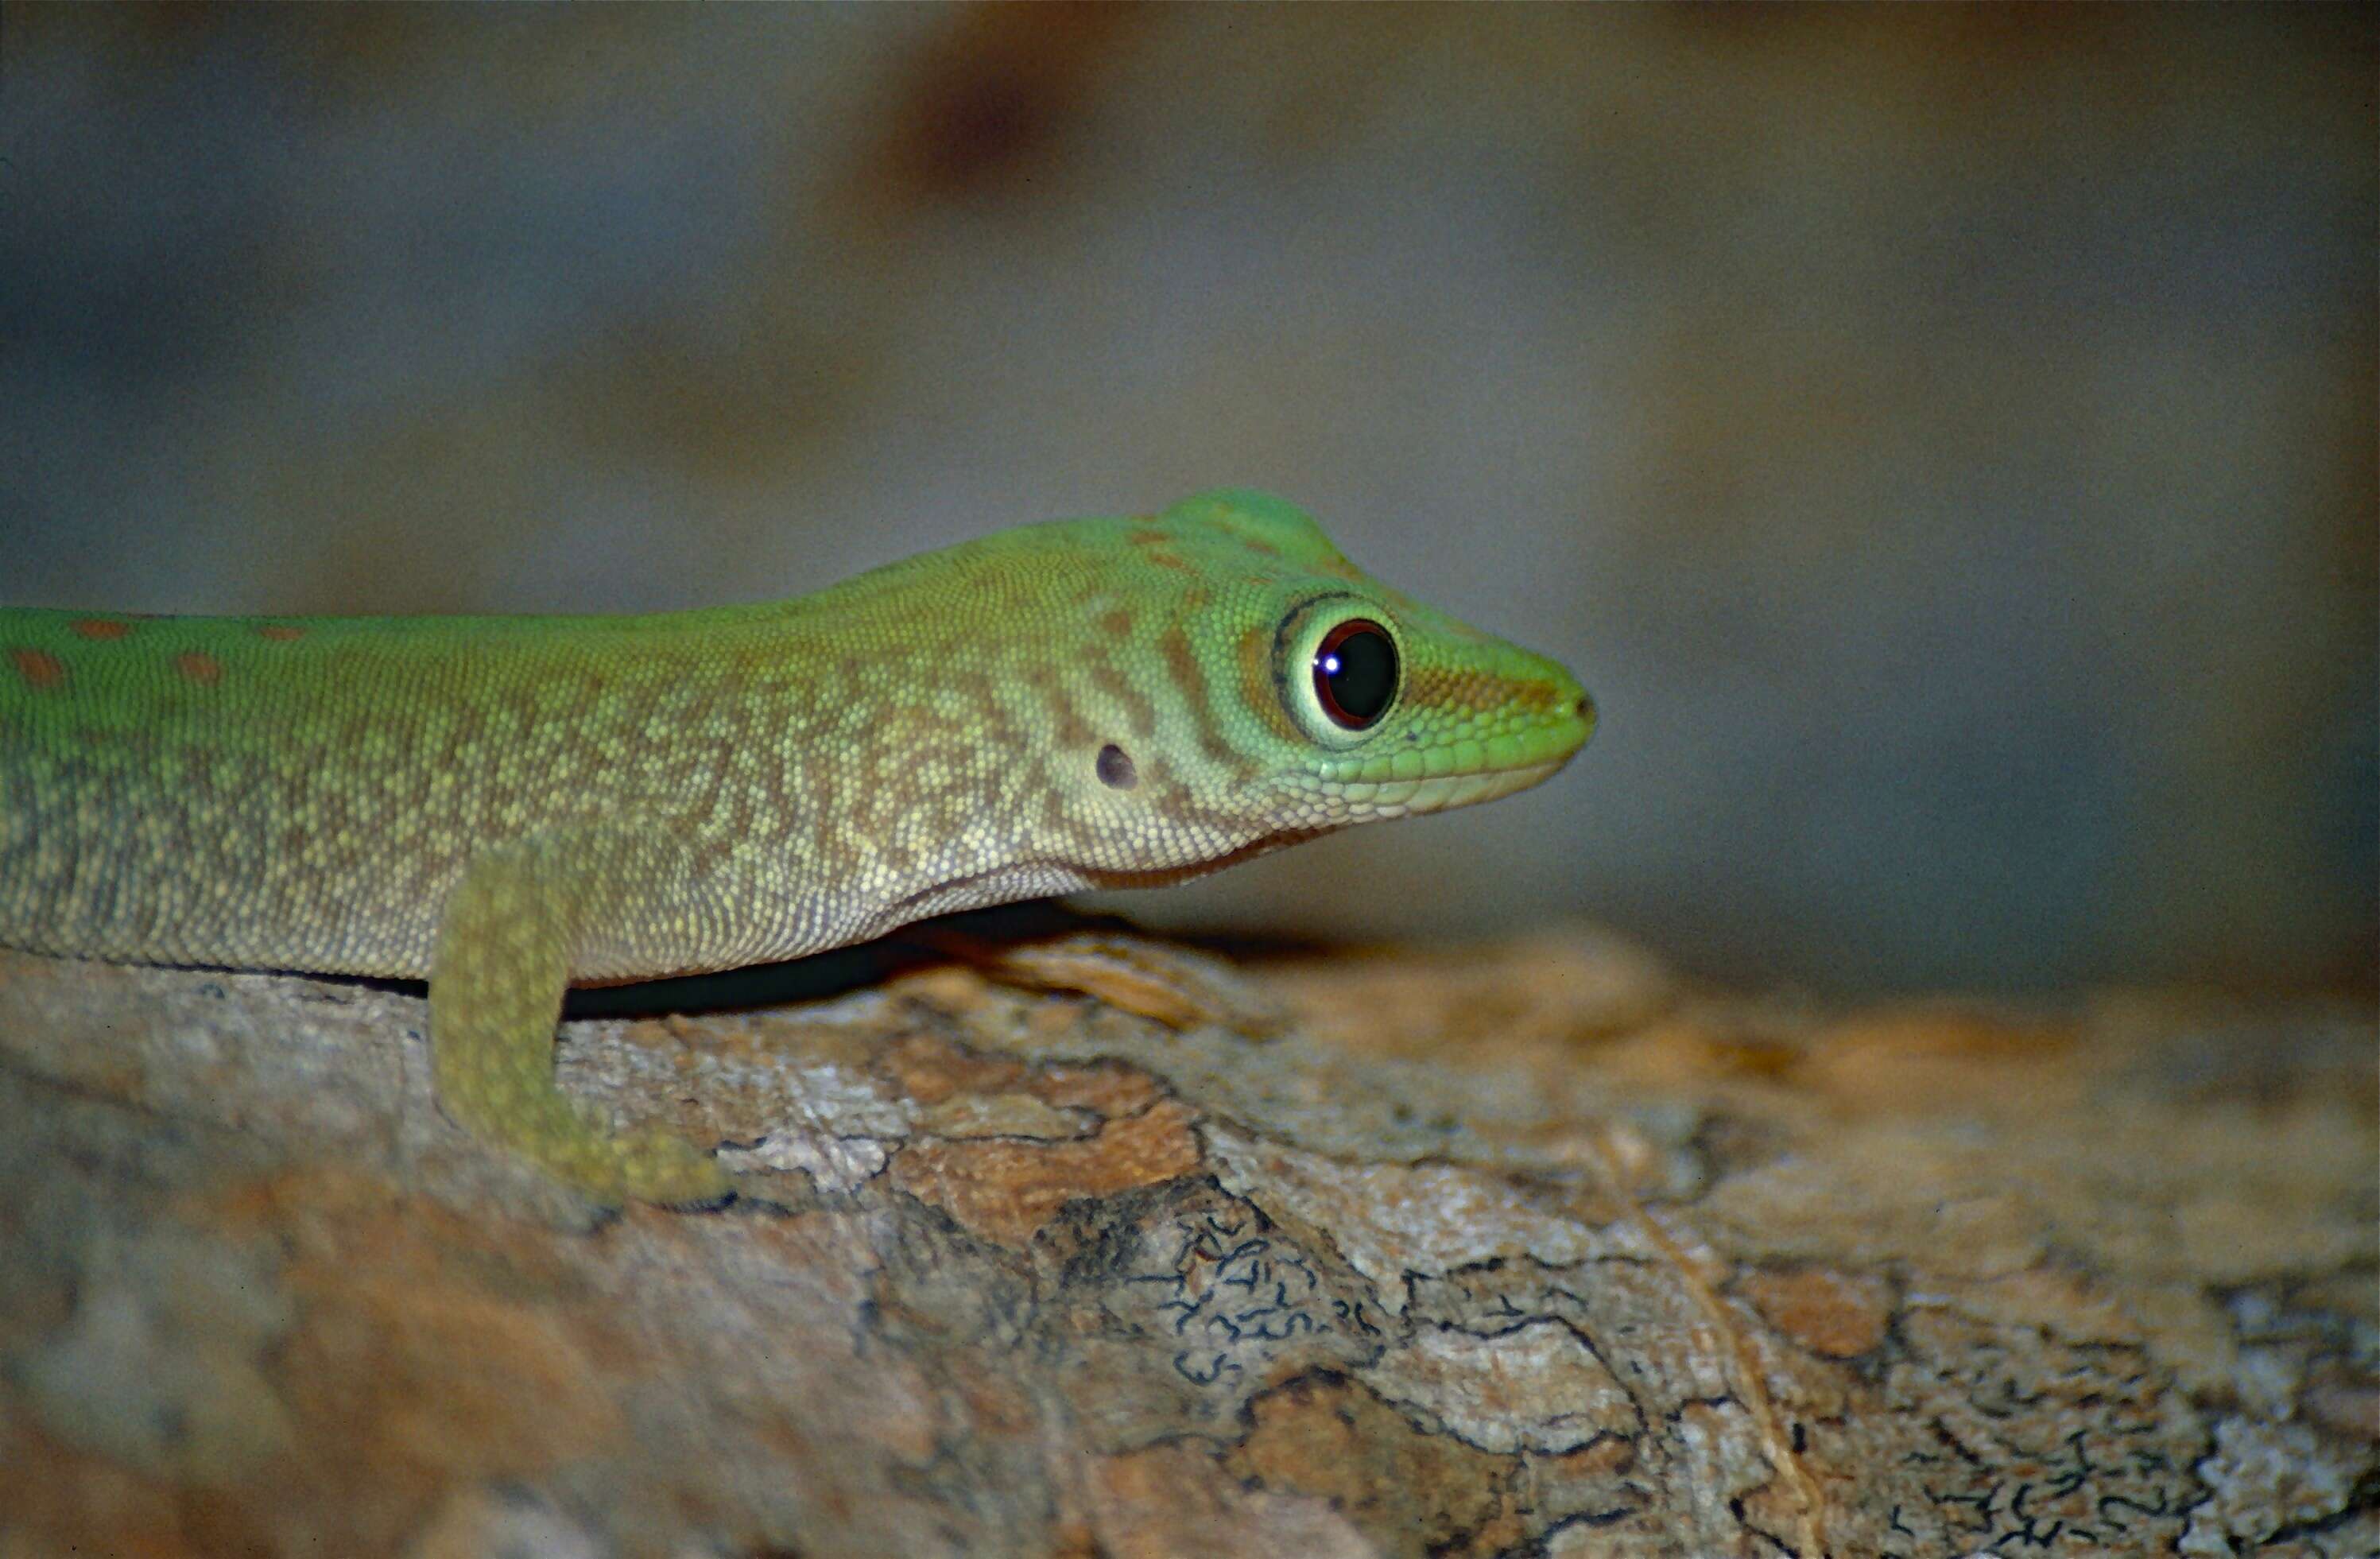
x=1396 y=798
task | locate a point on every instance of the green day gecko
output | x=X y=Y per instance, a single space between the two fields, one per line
x=506 y=805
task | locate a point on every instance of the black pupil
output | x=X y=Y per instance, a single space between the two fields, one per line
x=1355 y=673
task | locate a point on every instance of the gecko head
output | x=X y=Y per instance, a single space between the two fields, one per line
x=1308 y=696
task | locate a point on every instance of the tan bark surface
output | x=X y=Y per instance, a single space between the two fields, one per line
x=1520 y=1249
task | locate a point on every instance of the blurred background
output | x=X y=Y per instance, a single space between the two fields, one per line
x=1943 y=439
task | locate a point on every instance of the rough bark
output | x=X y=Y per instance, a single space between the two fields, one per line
x=1521 y=1248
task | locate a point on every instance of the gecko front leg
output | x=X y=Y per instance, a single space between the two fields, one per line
x=524 y=918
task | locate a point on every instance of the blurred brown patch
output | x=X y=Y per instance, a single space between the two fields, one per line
x=1926 y=1058
x=983 y=109
x=1488 y=1004
x=426 y=1342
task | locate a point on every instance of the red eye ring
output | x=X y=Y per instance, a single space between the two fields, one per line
x=1355 y=673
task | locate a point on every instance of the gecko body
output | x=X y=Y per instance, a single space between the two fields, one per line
x=507 y=805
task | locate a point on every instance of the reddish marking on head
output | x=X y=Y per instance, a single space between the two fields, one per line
x=100 y=627
x=39 y=667
x=1116 y=622
x=1182 y=661
x=202 y=669
x=1116 y=685
x=279 y=632
x=1480 y=692
x=1257 y=683
x=1074 y=731
x=1158 y=547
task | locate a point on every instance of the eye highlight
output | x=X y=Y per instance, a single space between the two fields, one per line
x=1355 y=673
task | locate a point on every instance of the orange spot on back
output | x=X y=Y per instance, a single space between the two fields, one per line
x=1116 y=623
x=203 y=669
x=39 y=667
x=100 y=627
x=279 y=632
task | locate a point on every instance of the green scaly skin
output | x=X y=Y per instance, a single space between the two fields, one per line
x=506 y=805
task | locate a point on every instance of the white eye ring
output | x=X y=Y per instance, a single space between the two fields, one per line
x=1328 y=700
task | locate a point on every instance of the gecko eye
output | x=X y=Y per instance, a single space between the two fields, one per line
x=1355 y=673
